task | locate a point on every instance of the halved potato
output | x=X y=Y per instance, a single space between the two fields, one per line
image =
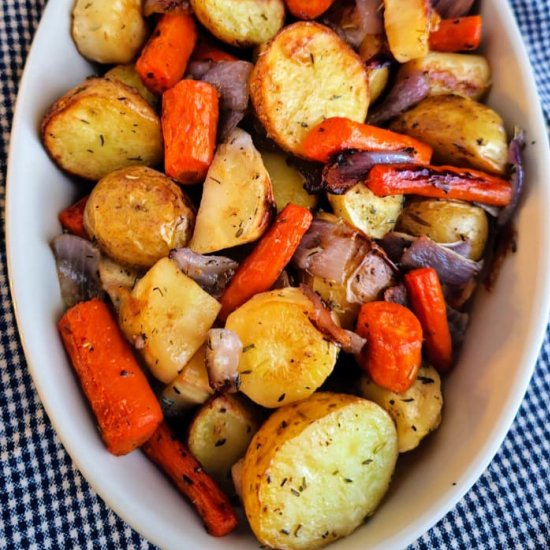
x=137 y=215
x=361 y=208
x=219 y=435
x=237 y=200
x=127 y=74
x=167 y=318
x=378 y=80
x=107 y=31
x=285 y=358
x=416 y=412
x=287 y=182
x=452 y=73
x=461 y=131
x=99 y=126
x=407 y=24
x=316 y=469
x=244 y=23
x=305 y=75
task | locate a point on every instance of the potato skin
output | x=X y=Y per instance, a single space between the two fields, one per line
x=241 y=23
x=99 y=126
x=461 y=131
x=306 y=74
x=107 y=31
x=137 y=215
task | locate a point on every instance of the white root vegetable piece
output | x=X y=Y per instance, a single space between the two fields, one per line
x=305 y=75
x=407 y=24
x=237 y=477
x=416 y=412
x=223 y=353
x=237 y=200
x=219 y=435
x=169 y=315
x=316 y=469
x=107 y=31
x=285 y=358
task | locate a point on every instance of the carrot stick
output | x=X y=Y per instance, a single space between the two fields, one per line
x=336 y=134
x=205 y=50
x=440 y=182
x=308 y=9
x=72 y=218
x=260 y=270
x=124 y=404
x=175 y=459
x=456 y=35
x=164 y=58
x=393 y=352
x=189 y=124
x=427 y=301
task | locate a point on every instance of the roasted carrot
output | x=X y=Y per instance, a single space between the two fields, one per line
x=336 y=134
x=427 y=301
x=439 y=182
x=72 y=218
x=164 y=58
x=124 y=404
x=205 y=50
x=189 y=123
x=308 y=9
x=457 y=35
x=175 y=459
x=260 y=269
x=393 y=352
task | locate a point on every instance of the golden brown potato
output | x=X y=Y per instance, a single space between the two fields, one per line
x=307 y=74
x=378 y=80
x=127 y=75
x=461 y=131
x=316 y=469
x=244 y=23
x=137 y=215
x=452 y=73
x=446 y=222
x=99 y=126
x=107 y=31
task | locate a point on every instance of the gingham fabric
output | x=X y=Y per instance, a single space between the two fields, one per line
x=46 y=503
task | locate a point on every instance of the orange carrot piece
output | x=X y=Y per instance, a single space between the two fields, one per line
x=457 y=35
x=336 y=134
x=205 y=50
x=260 y=270
x=175 y=459
x=190 y=114
x=124 y=404
x=164 y=58
x=308 y=9
x=72 y=218
x=439 y=182
x=393 y=353
x=427 y=301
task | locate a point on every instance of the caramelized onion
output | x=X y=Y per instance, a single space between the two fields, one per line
x=223 y=353
x=151 y=7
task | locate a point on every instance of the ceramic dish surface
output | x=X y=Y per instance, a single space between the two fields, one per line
x=482 y=394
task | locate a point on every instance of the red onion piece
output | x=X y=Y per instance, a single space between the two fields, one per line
x=370 y=13
x=223 y=353
x=227 y=122
x=230 y=78
x=151 y=7
x=346 y=20
x=397 y=294
x=449 y=9
x=458 y=323
x=197 y=69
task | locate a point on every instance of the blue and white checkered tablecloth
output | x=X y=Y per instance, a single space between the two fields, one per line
x=46 y=503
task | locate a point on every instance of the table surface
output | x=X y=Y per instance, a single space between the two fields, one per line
x=46 y=503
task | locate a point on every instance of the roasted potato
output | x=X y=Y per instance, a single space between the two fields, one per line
x=452 y=73
x=191 y=387
x=461 y=131
x=107 y=31
x=127 y=75
x=306 y=74
x=407 y=24
x=285 y=358
x=378 y=80
x=237 y=200
x=167 y=317
x=416 y=412
x=361 y=208
x=219 y=435
x=316 y=469
x=99 y=126
x=446 y=222
x=372 y=47
x=244 y=23
x=287 y=182
x=137 y=215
